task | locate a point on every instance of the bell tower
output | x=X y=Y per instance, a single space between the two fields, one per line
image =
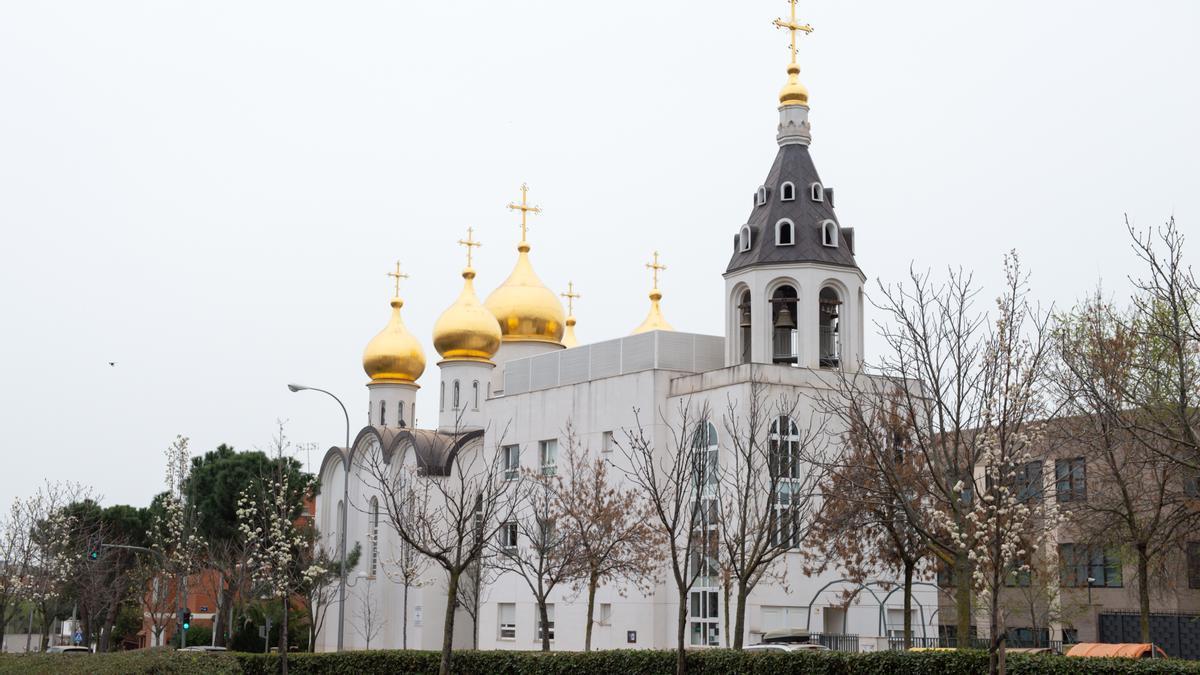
x=794 y=293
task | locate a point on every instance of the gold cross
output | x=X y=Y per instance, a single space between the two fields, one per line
x=571 y=296
x=656 y=267
x=397 y=276
x=469 y=243
x=524 y=208
x=792 y=27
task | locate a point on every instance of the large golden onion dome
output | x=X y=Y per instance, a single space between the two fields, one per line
x=394 y=355
x=793 y=93
x=466 y=331
x=525 y=309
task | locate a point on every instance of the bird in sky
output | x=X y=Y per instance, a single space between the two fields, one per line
x=112 y=364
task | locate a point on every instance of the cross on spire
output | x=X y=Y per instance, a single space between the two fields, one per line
x=397 y=276
x=469 y=243
x=524 y=208
x=571 y=297
x=792 y=27
x=657 y=267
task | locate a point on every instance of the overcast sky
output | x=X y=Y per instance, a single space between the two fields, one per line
x=210 y=193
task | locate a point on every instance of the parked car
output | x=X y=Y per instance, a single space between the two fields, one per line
x=786 y=647
x=67 y=649
x=202 y=648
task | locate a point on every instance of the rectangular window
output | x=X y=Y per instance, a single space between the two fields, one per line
x=508 y=535
x=1070 y=636
x=945 y=574
x=507 y=620
x=606 y=441
x=549 y=620
x=703 y=617
x=1070 y=480
x=605 y=616
x=1028 y=481
x=1081 y=566
x=785 y=529
x=1193 y=564
x=548 y=454
x=511 y=457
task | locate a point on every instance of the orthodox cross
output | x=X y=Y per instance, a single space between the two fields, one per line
x=571 y=297
x=524 y=208
x=656 y=267
x=469 y=243
x=397 y=276
x=792 y=27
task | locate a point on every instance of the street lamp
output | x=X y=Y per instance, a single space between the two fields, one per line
x=345 y=507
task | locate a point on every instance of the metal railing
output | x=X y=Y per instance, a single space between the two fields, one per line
x=897 y=643
x=835 y=641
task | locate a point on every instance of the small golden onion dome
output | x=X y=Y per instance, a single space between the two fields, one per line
x=466 y=331
x=394 y=355
x=569 y=340
x=654 y=320
x=525 y=309
x=793 y=93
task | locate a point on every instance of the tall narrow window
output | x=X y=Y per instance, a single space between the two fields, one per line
x=383 y=413
x=475 y=394
x=548 y=454
x=817 y=192
x=785 y=466
x=785 y=347
x=400 y=414
x=339 y=526
x=456 y=395
x=744 y=326
x=1070 y=480
x=507 y=620
x=374 y=536
x=442 y=397
x=549 y=620
x=512 y=461
x=785 y=233
x=830 y=308
x=1193 y=564
x=787 y=192
x=829 y=234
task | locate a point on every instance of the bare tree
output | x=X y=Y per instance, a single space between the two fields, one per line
x=1131 y=493
x=407 y=569
x=668 y=471
x=370 y=621
x=446 y=513
x=537 y=546
x=610 y=527
x=765 y=490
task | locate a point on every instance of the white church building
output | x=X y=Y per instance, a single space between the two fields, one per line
x=511 y=374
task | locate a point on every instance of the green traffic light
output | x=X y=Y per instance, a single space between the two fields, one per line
x=186 y=626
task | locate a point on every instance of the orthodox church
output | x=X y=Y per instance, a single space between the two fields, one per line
x=512 y=375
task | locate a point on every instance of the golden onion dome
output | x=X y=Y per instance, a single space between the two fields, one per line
x=793 y=93
x=466 y=331
x=654 y=320
x=394 y=355
x=525 y=309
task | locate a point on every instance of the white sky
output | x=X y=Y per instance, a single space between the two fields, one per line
x=211 y=193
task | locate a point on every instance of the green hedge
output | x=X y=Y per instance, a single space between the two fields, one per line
x=624 y=662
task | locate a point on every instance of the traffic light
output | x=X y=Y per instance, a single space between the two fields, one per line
x=94 y=546
x=187 y=619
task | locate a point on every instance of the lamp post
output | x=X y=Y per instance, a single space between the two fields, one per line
x=345 y=507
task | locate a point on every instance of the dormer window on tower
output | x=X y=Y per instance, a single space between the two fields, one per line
x=817 y=192
x=829 y=234
x=787 y=192
x=785 y=233
x=744 y=239
x=760 y=197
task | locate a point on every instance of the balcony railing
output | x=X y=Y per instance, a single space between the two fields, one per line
x=897 y=643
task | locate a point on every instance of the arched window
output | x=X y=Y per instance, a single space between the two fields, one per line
x=374 y=535
x=383 y=413
x=744 y=238
x=830 y=322
x=817 y=192
x=707 y=457
x=787 y=192
x=829 y=234
x=442 y=397
x=784 y=344
x=785 y=233
x=744 y=325
x=475 y=393
x=785 y=467
x=456 y=396
x=400 y=414
x=760 y=197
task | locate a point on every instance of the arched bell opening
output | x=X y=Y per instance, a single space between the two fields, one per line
x=784 y=340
